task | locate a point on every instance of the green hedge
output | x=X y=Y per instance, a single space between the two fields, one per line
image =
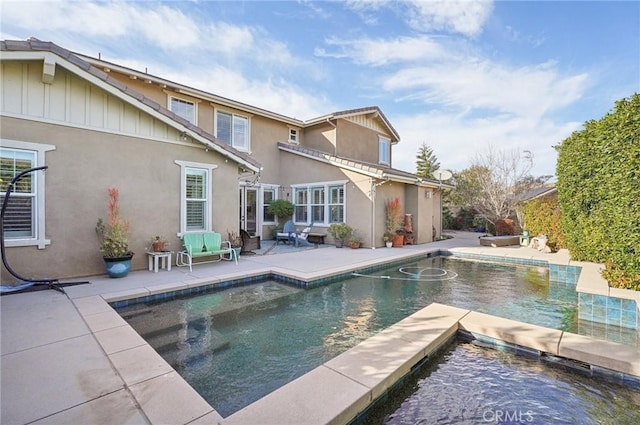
x=542 y=217
x=599 y=193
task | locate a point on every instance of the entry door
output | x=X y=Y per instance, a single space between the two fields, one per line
x=249 y=210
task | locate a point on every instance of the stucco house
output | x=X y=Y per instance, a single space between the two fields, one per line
x=183 y=160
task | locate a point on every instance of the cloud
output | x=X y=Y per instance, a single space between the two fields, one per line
x=455 y=139
x=463 y=17
x=378 y=52
x=479 y=84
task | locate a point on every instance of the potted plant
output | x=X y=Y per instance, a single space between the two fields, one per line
x=355 y=240
x=387 y=239
x=339 y=232
x=282 y=209
x=236 y=242
x=393 y=209
x=158 y=244
x=114 y=238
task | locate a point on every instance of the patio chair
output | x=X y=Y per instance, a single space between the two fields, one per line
x=249 y=243
x=288 y=233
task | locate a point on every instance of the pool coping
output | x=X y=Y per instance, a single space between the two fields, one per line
x=343 y=387
x=402 y=346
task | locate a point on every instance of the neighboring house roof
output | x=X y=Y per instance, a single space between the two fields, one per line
x=370 y=110
x=537 y=192
x=33 y=49
x=364 y=168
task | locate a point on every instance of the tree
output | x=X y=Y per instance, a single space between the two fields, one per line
x=505 y=176
x=426 y=162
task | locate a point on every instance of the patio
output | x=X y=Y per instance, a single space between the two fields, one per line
x=72 y=359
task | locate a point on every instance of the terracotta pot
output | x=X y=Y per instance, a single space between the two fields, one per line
x=158 y=246
x=355 y=245
x=398 y=241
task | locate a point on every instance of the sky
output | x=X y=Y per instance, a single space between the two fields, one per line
x=461 y=77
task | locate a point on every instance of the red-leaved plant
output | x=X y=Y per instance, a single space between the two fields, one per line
x=114 y=236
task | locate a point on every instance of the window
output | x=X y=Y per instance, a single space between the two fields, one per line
x=293 y=135
x=183 y=108
x=268 y=195
x=301 y=197
x=24 y=223
x=317 y=204
x=336 y=204
x=233 y=130
x=195 y=195
x=384 y=147
x=320 y=203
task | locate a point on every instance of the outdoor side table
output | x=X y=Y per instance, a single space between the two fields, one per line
x=163 y=256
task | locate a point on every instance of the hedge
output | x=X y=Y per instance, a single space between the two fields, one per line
x=599 y=193
x=543 y=217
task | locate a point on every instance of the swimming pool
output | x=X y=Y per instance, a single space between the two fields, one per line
x=470 y=383
x=237 y=345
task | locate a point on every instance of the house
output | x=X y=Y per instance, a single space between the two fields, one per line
x=183 y=160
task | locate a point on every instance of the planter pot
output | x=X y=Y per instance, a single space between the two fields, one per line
x=389 y=244
x=158 y=246
x=339 y=243
x=398 y=241
x=355 y=245
x=119 y=266
x=238 y=250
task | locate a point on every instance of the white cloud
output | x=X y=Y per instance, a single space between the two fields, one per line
x=475 y=83
x=455 y=139
x=463 y=17
x=382 y=52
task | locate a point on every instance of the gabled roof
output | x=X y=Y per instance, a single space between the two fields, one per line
x=370 y=170
x=370 y=110
x=33 y=49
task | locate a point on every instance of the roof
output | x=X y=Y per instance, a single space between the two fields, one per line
x=359 y=111
x=33 y=49
x=537 y=192
x=371 y=170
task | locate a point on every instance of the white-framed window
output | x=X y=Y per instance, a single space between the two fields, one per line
x=320 y=203
x=25 y=215
x=183 y=108
x=384 y=150
x=293 y=135
x=268 y=196
x=195 y=196
x=233 y=130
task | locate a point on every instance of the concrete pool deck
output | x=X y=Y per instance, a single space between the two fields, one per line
x=73 y=359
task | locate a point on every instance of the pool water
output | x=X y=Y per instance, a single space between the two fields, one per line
x=237 y=345
x=471 y=384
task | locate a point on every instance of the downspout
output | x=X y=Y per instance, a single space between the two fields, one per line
x=335 y=141
x=374 y=186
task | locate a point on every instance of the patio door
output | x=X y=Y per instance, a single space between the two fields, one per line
x=249 y=209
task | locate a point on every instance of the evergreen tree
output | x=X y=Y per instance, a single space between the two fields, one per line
x=426 y=162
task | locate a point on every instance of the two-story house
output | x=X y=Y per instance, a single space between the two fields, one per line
x=183 y=159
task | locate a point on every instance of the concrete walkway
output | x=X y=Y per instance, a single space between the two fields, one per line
x=70 y=359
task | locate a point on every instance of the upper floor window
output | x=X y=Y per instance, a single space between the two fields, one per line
x=233 y=130
x=293 y=135
x=195 y=197
x=183 y=108
x=384 y=148
x=24 y=222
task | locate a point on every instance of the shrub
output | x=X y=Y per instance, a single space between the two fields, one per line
x=598 y=191
x=543 y=217
x=505 y=226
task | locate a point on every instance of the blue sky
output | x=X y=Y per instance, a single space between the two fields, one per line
x=459 y=76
